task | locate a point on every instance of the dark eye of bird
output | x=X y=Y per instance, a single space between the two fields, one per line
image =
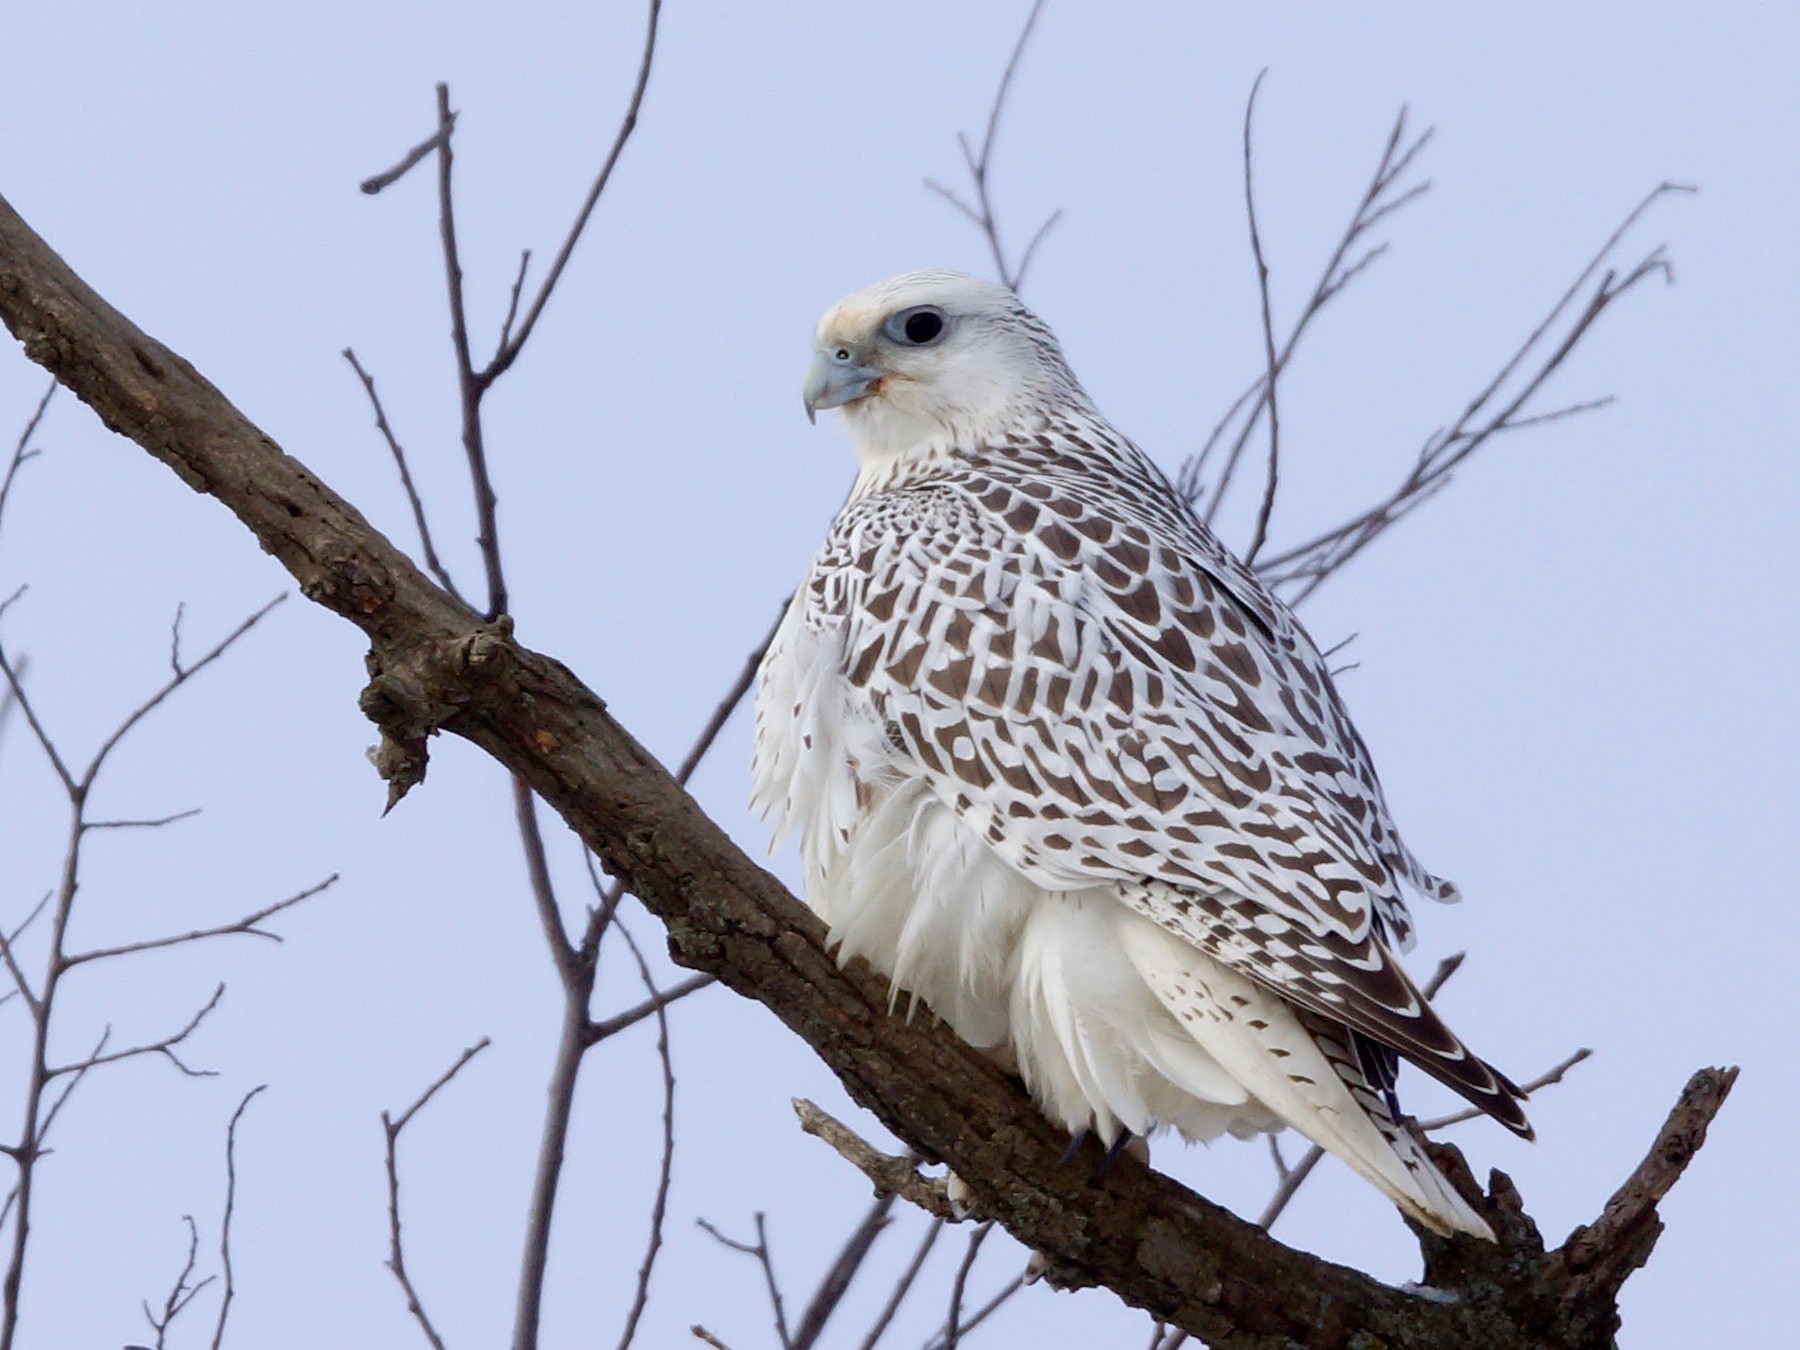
x=923 y=326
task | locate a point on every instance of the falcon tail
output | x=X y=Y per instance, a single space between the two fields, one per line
x=1312 y=1079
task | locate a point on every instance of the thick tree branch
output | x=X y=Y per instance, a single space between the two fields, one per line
x=436 y=665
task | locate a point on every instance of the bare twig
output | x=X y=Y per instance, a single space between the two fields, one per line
x=595 y=1032
x=174 y=682
x=728 y=704
x=1375 y=205
x=432 y=562
x=164 y=1047
x=1271 y=367
x=1301 y=569
x=21 y=449
x=388 y=177
x=836 y=1282
x=391 y=1127
x=951 y=1336
x=760 y=1250
x=892 y=1174
x=659 y=1207
x=1545 y=1079
x=509 y=349
x=904 y=1284
x=230 y=1289
x=1001 y=1296
x=152 y=823
x=181 y=1293
x=247 y=926
x=980 y=163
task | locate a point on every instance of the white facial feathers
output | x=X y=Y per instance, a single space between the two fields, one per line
x=928 y=360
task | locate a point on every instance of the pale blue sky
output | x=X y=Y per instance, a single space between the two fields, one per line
x=1576 y=668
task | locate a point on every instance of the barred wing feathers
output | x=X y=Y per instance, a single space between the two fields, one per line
x=1101 y=691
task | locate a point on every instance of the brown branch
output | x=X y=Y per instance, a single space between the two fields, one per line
x=1272 y=366
x=509 y=349
x=659 y=1206
x=435 y=665
x=980 y=163
x=893 y=1174
x=595 y=1032
x=230 y=1290
x=951 y=1336
x=164 y=1047
x=765 y=1259
x=836 y=1281
x=181 y=1293
x=432 y=561
x=904 y=1284
x=388 y=177
x=391 y=1127
x=22 y=451
x=246 y=926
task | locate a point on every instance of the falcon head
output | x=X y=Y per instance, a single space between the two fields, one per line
x=930 y=360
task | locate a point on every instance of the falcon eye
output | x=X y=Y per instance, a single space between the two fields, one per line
x=916 y=327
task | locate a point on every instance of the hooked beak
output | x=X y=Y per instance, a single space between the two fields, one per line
x=831 y=383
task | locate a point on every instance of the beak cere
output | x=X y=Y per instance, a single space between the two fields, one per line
x=831 y=383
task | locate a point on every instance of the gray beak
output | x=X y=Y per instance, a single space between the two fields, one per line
x=832 y=382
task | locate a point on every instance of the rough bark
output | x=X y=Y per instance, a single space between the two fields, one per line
x=435 y=665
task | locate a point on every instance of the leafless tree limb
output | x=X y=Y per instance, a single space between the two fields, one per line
x=999 y=1299
x=836 y=1281
x=181 y=1293
x=893 y=1174
x=230 y=1285
x=766 y=1261
x=391 y=1126
x=951 y=1336
x=432 y=561
x=388 y=177
x=659 y=1206
x=1272 y=367
x=22 y=450
x=1299 y=570
x=904 y=1284
x=248 y=926
x=595 y=1032
x=164 y=1046
x=1380 y=199
x=980 y=163
x=152 y=823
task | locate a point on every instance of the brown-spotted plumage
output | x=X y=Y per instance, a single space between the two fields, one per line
x=1064 y=769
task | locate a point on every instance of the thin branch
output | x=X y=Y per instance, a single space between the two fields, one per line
x=905 y=1283
x=836 y=1281
x=164 y=1047
x=760 y=1250
x=230 y=1291
x=1272 y=364
x=181 y=1293
x=509 y=349
x=388 y=177
x=659 y=1207
x=727 y=705
x=650 y=1007
x=512 y=303
x=1305 y=566
x=951 y=1336
x=432 y=561
x=174 y=682
x=246 y=926
x=979 y=164
x=21 y=451
x=1000 y=1298
x=1397 y=156
x=391 y=1128
x=152 y=823
x=16 y=688
x=891 y=1174
x=1543 y=1080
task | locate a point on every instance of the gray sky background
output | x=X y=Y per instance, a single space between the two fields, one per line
x=1577 y=667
